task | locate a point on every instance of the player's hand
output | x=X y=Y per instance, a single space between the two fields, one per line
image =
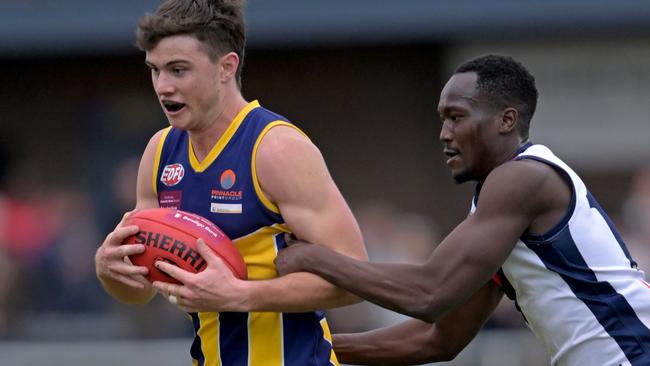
x=214 y=289
x=111 y=258
x=295 y=258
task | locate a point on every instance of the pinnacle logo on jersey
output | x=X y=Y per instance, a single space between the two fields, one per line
x=172 y=174
x=228 y=179
x=219 y=194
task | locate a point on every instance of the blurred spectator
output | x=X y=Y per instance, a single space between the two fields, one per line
x=30 y=224
x=7 y=280
x=119 y=194
x=393 y=235
x=123 y=184
x=28 y=228
x=48 y=288
x=67 y=276
x=7 y=268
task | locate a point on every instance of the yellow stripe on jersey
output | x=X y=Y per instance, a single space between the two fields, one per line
x=156 y=159
x=328 y=335
x=265 y=339
x=267 y=202
x=209 y=334
x=259 y=249
x=223 y=140
x=265 y=332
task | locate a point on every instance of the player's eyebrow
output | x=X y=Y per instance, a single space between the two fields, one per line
x=451 y=107
x=474 y=99
x=169 y=63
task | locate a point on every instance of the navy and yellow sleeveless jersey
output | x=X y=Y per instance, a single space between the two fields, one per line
x=224 y=188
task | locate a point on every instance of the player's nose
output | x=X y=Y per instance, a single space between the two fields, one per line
x=163 y=85
x=445 y=133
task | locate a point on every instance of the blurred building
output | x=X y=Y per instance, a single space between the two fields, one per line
x=361 y=77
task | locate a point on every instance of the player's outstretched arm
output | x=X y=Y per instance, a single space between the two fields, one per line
x=415 y=342
x=120 y=278
x=512 y=196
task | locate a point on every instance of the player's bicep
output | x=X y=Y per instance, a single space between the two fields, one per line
x=511 y=198
x=486 y=237
x=146 y=195
x=471 y=254
x=330 y=223
x=292 y=173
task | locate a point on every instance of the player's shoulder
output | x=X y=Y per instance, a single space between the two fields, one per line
x=284 y=141
x=521 y=172
x=159 y=135
x=523 y=180
x=287 y=160
x=156 y=139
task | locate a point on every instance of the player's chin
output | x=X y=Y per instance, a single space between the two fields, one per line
x=460 y=176
x=177 y=122
x=180 y=121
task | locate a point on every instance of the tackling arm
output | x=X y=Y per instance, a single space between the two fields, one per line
x=416 y=342
x=466 y=258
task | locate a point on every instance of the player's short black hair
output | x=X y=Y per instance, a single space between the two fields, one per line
x=218 y=24
x=506 y=83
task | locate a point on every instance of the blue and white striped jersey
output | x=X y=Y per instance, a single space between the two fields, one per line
x=577 y=285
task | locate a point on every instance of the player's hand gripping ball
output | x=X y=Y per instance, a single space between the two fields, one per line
x=170 y=235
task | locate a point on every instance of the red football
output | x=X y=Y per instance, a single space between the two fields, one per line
x=170 y=235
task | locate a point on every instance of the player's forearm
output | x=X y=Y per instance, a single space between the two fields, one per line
x=296 y=292
x=404 y=288
x=401 y=344
x=127 y=294
x=415 y=341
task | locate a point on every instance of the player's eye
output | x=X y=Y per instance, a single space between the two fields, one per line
x=455 y=117
x=178 y=71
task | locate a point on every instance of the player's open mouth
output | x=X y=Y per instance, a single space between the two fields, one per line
x=451 y=154
x=172 y=107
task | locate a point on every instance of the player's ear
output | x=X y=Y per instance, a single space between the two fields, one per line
x=509 y=120
x=228 y=66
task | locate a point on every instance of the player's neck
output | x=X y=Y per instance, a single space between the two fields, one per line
x=203 y=140
x=499 y=156
x=512 y=148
